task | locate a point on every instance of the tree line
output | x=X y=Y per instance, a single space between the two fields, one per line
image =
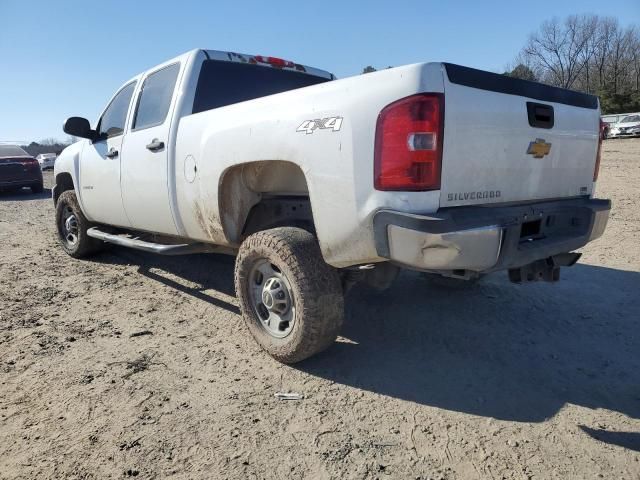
x=48 y=145
x=588 y=53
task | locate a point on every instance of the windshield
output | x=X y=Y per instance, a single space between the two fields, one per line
x=223 y=83
x=631 y=118
x=12 y=151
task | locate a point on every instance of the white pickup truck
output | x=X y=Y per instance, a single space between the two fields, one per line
x=316 y=183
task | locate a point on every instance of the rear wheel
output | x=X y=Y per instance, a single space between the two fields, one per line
x=72 y=227
x=291 y=300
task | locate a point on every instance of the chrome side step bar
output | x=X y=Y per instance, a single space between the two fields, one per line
x=128 y=240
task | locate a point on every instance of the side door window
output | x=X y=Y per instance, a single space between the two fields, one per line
x=155 y=98
x=114 y=117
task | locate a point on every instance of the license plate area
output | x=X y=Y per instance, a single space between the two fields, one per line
x=553 y=226
x=530 y=230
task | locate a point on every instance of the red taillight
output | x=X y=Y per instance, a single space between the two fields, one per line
x=408 y=148
x=596 y=169
x=29 y=162
x=274 y=61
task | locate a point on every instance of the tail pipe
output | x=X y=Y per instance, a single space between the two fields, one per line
x=547 y=270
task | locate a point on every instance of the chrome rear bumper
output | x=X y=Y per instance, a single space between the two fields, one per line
x=484 y=239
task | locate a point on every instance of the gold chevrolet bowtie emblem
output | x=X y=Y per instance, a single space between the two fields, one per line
x=539 y=148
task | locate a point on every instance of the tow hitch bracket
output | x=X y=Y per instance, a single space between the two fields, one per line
x=546 y=270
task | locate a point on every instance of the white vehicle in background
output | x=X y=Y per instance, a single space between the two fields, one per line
x=317 y=183
x=46 y=160
x=629 y=126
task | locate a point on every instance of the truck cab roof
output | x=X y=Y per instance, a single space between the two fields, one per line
x=267 y=61
x=258 y=60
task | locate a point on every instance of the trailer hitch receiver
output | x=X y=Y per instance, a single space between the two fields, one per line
x=546 y=270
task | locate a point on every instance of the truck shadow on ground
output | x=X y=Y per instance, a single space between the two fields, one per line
x=630 y=440
x=512 y=352
x=193 y=275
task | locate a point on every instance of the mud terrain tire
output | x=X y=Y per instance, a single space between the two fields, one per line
x=72 y=226
x=312 y=288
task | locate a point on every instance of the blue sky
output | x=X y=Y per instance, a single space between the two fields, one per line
x=62 y=58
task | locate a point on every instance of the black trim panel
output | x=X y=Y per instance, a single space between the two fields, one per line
x=494 y=82
x=540 y=115
x=569 y=228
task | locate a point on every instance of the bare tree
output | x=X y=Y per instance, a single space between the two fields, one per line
x=588 y=53
x=607 y=30
x=590 y=24
x=620 y=60
x=559 y=49
x=635 y=60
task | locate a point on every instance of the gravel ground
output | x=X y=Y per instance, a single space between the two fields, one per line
x=134 y=365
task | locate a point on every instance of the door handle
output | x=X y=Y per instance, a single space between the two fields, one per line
x=112 y=153
x=155 y=145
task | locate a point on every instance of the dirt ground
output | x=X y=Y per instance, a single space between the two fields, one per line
x=132 y=365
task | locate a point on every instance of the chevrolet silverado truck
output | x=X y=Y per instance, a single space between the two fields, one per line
x=316 y=183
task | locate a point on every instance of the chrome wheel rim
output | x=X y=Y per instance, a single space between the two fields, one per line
x=69 y=226
x=271 y=299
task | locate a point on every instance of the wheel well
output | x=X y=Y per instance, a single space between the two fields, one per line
x=279 y=211
x=64 y=182
x=260 y=195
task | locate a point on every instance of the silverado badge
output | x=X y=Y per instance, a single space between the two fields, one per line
x=539 y=148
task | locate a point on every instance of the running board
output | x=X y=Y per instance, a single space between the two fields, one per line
x=127 y=240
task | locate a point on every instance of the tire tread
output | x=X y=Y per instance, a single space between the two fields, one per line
x=319 y=299
x=86 y=245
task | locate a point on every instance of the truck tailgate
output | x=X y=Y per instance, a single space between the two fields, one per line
x=510 y=140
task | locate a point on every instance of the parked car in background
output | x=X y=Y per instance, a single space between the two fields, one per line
x=46 y=160
x=19 y=169
x=629 y=126
x=612 y=118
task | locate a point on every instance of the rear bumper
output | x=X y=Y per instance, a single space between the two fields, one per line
x=12 y=176
x=485 y=239
x=24 y=182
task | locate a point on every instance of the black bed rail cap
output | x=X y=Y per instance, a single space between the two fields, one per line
x=495 y=82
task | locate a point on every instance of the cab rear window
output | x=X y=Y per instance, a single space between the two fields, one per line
x=224 y=83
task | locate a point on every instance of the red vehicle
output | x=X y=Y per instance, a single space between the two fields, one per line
x=19 y=169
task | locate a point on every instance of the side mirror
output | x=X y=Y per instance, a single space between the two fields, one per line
x=79 y=127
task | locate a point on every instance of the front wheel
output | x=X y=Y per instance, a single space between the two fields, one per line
x=291 y=300
x=72 y=227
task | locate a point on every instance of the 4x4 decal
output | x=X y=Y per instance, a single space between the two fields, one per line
x=310 y=126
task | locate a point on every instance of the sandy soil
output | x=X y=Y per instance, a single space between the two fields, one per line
x=135 y=365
